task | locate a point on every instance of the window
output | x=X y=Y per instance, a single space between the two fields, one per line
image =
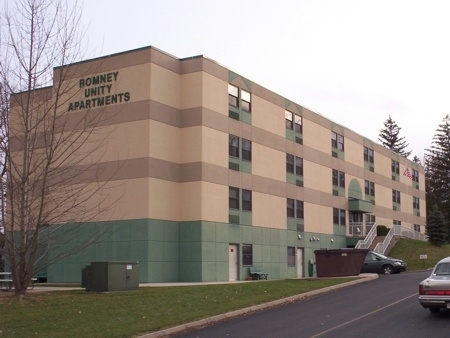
x=368 y=155
x=247 y=254
x=246 y=200
x=370 y=219
x=416 y=203
x=294 y=208
x=290 y=163
x=299 y=209
x=417 y=227
x=290 y=208
x=396 y=196
x=397 y=222
x=338 y=178
x=298 y=124
x=337 y=141
x=246 y=101
x=415 y=175
x=234 y=145
x=293 y=121
x=233 y=96
x=289 y=119
x=298 y=168
x=291 y=256
x=246 y=150
x=369 y=188
x=233 y=200
x=339 y=216
x=395 y=167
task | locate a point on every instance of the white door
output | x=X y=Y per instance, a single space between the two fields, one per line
x=233 y=258
x=299 y=262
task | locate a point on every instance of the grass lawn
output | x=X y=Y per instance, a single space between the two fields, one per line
x=126 y=314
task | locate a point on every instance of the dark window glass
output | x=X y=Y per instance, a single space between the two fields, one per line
x=291 y=256
x=396 y=196
x=334 y=139
x=233 y=94
x=289 y=119
x=246 y=200
x=335 y=177
x=368 y=155
x=340 y=142
x=341 y=179
x=299 y=209
x=415 y=175
x=395 y=166
x=233 y=198
x=246 y=101
x=299 y=166
x=298 y=124
x=233 y=146
x=416 y=202
x=342 y=217
x=290 y=163
x=247 y=254
x=335 y=216
x=369 y=188
x=246 y=150
x=290 y=208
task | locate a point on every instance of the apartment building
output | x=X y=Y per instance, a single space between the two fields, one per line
x=213 y=174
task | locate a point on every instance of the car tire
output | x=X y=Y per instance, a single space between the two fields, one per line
x=387 y=269
x=434 y=309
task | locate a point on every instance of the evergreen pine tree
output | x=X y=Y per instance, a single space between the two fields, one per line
x=437 y=171
x=436 y=229
x=390 y=138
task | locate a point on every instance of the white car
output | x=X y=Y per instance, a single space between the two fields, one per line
x=434 y=292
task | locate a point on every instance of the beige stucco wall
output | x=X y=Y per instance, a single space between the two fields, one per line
x=269 y=211
x=316 y=137
x=319 y=177
x=164 y=142
x=165 y=86
x=203 y=201
x=354 y=152
x=318 y=218
x=268 y=116
x=267 y=162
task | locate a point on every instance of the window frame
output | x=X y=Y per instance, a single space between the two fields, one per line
x=291 y=256
x=337 y=141
x=395 y=167
x=247 y=255
x=233 y=199
x=369 y=188
x=368 y=155
x=246 y=200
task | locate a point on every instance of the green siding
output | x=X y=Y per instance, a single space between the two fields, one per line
x=183 y=251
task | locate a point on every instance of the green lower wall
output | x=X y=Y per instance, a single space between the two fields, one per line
x=181 y=252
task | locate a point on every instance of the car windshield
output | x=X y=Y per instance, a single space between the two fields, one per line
x=442 y=269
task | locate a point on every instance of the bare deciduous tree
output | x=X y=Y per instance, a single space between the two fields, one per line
x=46 y=150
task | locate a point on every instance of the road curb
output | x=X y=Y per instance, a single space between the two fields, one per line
x=255 y=308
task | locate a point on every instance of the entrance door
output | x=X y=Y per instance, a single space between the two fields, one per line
x=233 y=259
x=299 y=262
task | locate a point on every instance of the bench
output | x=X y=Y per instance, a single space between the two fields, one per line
x=6 y=282
x=258 y=273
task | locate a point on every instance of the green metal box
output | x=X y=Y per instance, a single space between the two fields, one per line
x=111 y=276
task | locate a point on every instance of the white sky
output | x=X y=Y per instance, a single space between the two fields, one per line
x=355 y=62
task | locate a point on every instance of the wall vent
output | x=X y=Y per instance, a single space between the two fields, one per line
x=298 y=140
x=233 y=115
x=234 y=219
x=334 y=154
x=299 y=183
x=233 y=166
x=335 y=192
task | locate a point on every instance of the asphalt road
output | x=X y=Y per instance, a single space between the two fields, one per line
x=385 y=307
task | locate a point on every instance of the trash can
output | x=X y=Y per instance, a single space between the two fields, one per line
x=110 y=276
x=339 y=262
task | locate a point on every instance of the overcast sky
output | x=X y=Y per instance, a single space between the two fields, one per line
x=355 y=62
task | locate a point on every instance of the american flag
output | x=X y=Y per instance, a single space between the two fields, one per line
x=407 y=173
